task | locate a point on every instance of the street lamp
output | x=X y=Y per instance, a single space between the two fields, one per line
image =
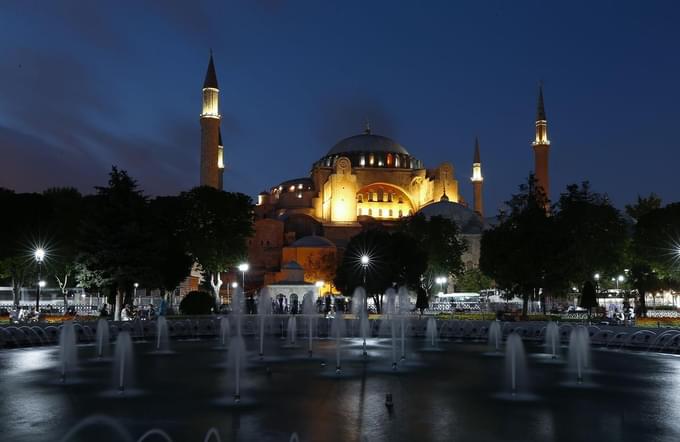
x=39 y=257
x=441 y=280
x=136 y=285
x=365 y=260
x=243 y=268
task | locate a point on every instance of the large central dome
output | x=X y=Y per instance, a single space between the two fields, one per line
x=367 y=142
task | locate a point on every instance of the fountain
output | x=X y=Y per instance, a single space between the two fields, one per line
x=224 y=330
x=237 y=308
x=308 y=310
x=291 y=332
x=102 y=337
x=162 y=337
x=67 y=349
x=552 y=338
x=431 y=332
x=495 y=336
x=515 y=363
x=122 y=362
x=264 y=310
x=236 y=362
x=338 y=332
x=359 y=309
x=393 y=328
x=579 y=352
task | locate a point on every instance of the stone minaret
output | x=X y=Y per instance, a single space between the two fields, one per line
x=220 y=161
x=211 y=172
x=541 y=147
x=477 y=181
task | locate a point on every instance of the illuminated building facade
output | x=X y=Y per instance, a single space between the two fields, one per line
x=363 y=180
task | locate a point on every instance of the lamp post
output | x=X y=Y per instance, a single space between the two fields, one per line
x=134 y=295
x=365 y=260
x=243 y=268
x=441 y=280
x=39 y=257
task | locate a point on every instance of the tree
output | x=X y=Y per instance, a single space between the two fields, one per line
x=22 y=230
x=171 y=263
x=517 y=252
x=643 y=206
x=114 y=240
x=64 y=206
x=216 y=225
x=394 y=259
x=473 y=280
x=588 y=297
x=655 y=251
x=440 y=239
x=591 y=235
x=197 y=303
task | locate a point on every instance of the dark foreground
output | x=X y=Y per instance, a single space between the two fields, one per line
x=450 y=395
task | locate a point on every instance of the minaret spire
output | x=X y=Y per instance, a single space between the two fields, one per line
x=212 y=165
x=541 y=146
x=477 y=180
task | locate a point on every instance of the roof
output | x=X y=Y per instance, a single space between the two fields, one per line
x=367 y=142
x=292 y=265
x=540 y=108
x=210 y=75
x=313 y=241
x=467 y=220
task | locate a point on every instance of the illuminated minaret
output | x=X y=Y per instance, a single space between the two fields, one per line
x=477 y=181
x=211 y=172
x=541 y=147
x=220 y=161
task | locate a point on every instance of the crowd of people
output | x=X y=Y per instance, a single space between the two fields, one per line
x=131 y=312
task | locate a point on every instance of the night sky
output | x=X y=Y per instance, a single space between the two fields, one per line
x=86 y=85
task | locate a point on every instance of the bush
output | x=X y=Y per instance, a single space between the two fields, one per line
x=197 y=303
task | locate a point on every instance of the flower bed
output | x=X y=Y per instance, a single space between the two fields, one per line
x=657 y=322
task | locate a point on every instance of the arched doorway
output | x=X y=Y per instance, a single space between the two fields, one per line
x=294 y=304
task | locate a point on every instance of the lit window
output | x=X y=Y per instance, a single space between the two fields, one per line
x=292 y=188
x=362 y=161
x=360 y=198
x=375 y=196
x=396 y=161
x=380 y=163
x=401 y=214
x=300 y=186
x=371 y=159
x=391 y=214
x=380 y=212
x=299 y=195
x=370 y=212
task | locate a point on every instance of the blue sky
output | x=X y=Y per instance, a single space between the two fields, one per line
x=87 y=85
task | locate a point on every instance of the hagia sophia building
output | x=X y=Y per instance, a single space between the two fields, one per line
x=303 y=225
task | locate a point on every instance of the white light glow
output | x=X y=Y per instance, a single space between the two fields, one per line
x=39 y=254
x=243 y=267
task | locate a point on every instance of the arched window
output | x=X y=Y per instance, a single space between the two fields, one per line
x=362 y=161
x=360 y=198
x=396 y=161
x=380 y=213
x=370 y=212
x=401 y=213
x=391 y=213
x=390 y=160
